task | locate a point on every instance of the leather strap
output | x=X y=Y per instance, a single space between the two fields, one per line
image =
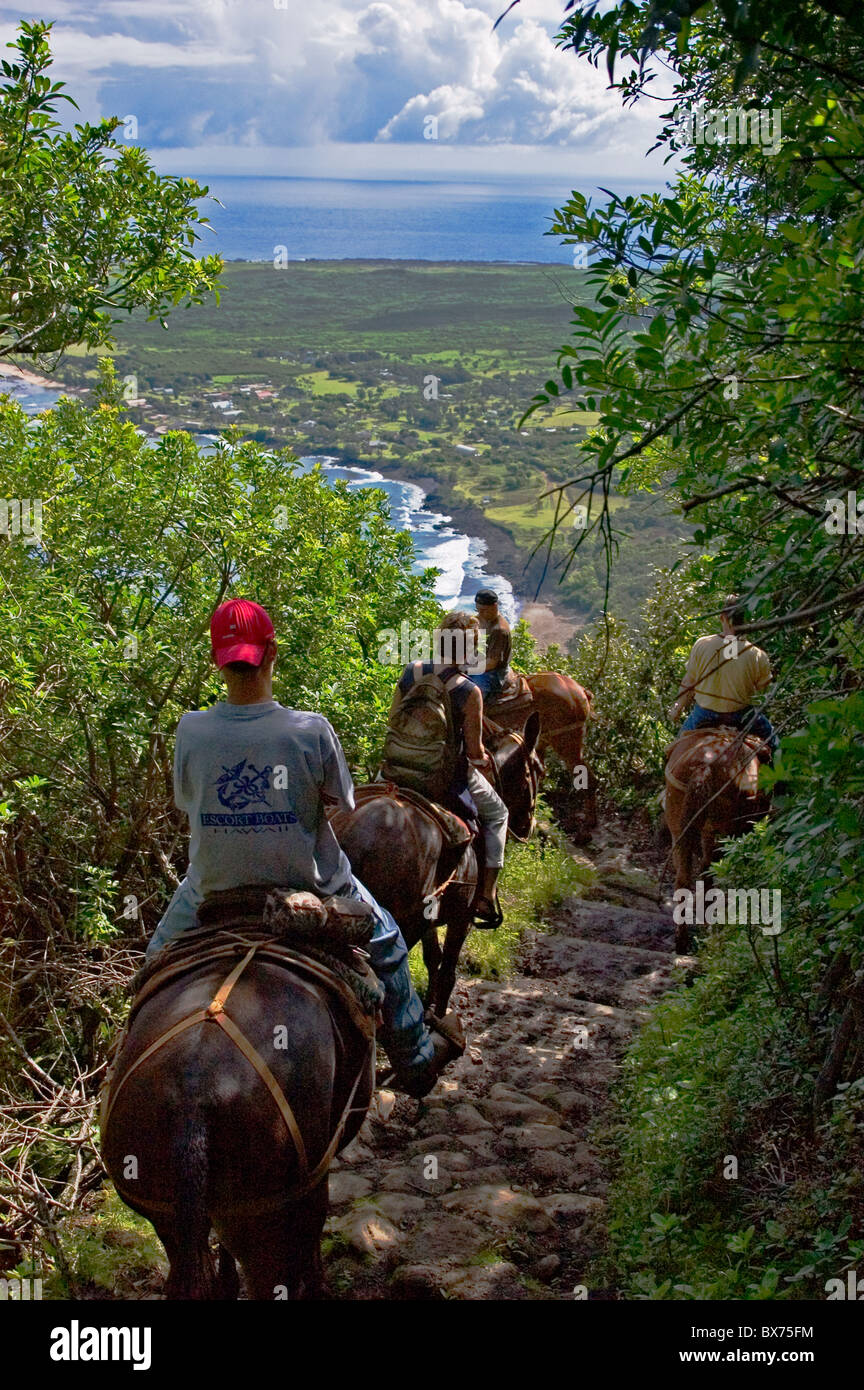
x=262 y=1206
x=254 y=1056
x=199 y=1016
x=564 y=729
x=213 y=1011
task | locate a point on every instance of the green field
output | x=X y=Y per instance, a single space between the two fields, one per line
x=406 y=366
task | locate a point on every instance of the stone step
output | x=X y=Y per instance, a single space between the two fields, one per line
x=603 y=971
x=648 y=928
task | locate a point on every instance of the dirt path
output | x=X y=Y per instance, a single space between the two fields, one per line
x=491 y=1188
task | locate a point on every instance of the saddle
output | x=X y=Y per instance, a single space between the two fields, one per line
x=320 y=940
x=751 y=751
x=514 y=702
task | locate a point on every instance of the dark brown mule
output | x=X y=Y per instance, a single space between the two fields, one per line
x=564 y=709
x=711 y=793
x=398 y=852
x=195 y=1139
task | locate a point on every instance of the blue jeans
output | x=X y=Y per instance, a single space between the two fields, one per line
x=404 y=1032
x=489 y=683
x=753 y=721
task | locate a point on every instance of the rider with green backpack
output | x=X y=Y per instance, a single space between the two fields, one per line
x=434 y=746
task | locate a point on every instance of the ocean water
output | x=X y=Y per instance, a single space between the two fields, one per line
x=343 y=219
x=461 y=559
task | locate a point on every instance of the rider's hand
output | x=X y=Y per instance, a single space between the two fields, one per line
x=673 y=712
x=484 y=767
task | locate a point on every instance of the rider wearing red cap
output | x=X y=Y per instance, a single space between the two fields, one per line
x=254 y=778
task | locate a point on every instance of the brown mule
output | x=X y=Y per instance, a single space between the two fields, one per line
x=564 y=709
x=405 y=857
x=237 y=1081
x=711 y=793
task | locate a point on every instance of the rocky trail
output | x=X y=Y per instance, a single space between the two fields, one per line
x=491 y=1188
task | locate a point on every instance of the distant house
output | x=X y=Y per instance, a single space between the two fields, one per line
x=466 y=448
x=222 y=405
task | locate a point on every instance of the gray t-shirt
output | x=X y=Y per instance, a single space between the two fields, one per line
x=250 y=778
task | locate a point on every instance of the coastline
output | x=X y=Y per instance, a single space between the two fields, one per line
x=549 y=622
x=34 y=379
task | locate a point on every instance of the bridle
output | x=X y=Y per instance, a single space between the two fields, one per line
x=534 y=774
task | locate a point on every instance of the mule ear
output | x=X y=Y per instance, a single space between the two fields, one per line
x=531 y=732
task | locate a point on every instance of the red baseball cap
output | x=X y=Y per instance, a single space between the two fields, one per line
x=239 y=631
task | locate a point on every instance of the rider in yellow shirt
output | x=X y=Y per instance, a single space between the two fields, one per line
x=723 y=674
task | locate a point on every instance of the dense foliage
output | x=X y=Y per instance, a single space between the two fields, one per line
x=724 y=357
x=110 y=611
x=88 y=229
x=107 y=611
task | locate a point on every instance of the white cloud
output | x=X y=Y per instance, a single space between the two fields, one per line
x=325 y=74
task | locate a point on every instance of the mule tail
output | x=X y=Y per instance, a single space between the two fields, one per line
x=193 y=1275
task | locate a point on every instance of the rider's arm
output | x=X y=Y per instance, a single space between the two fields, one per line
x=686 y=690
x=337 y=785
x=494 y=649
x=473 y=727
x=682 y=701
x=762 y=673
x=182 y=793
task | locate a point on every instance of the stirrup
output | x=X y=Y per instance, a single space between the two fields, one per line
x=493 y=920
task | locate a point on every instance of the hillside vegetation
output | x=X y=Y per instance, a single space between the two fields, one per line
x=343 y=358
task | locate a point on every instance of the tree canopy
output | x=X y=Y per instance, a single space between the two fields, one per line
x=88 y=229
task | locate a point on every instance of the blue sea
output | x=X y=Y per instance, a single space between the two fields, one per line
x=362 y=219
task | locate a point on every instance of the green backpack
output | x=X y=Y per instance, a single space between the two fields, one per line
x=420 y=750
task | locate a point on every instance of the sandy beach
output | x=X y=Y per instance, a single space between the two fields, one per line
x=547 y=626
x=32 y=378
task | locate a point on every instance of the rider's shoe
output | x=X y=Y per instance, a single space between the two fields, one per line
x=449 y=1042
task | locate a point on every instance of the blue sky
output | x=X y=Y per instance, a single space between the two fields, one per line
x=342 y=88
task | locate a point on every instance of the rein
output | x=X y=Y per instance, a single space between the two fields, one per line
x=215 y=1013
